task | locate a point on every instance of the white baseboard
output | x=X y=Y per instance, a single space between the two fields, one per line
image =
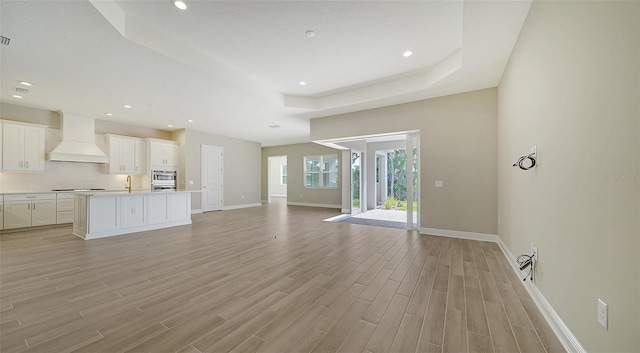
x=313 y=205
x=566 y=337
x=345 y=210
x=265 y=201
x=247 y=205
x=274 y=195
x=196 y=211
x=459 y=234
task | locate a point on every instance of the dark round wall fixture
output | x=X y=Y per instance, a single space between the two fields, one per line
x=526 y=162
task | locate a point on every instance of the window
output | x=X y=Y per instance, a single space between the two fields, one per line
x=283 y=175
x=321 y=171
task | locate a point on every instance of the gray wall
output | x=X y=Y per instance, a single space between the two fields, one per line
x=296 y=192
x=572 y=88
x=241 y=171
x=458 y=145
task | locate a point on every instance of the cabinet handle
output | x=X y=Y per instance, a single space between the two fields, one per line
x=34 y=205
x=27 y=164
x=21 y=164
x=29 y=206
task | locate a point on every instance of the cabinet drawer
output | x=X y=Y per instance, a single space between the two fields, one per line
x=64 y=217
x=64 y=205
x=29 y=197
x=64 y=195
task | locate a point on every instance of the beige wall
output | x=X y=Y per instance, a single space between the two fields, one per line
x=60 y=175
x=296 y=192
x=241 y=170
x=572 y=89
x=458 y=145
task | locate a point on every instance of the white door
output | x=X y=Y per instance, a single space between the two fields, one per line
x=211 y=178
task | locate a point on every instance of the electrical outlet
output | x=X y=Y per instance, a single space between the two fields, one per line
x=438 y=183
x=533 y=149
x=603 y=313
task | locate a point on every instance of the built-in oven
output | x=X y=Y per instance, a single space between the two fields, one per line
x=164 y=180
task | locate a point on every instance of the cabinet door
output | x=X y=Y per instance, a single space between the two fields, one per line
x=43 y=212
x=170 y=155
x=126 y=155
x=157 y=208
x=17 y=214
x=1 y=215
x=157 y=154
x=33 y=149
x=132 y=211
x=0 y=159
x=13 y=147
x=140 y=158
x=114 y=155
x=104 y=215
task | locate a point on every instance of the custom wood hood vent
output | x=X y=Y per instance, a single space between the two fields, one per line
x=78 y=141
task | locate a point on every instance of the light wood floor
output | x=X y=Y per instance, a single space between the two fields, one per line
x=224 y=284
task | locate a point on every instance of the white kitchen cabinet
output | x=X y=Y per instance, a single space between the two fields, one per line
x=127 y=155
x=26 y=210
x=132 y=211
x=140 y=157
x=22 y=147
x=64 y=208
x=103 y=214
x=98 y=215
x=0 y=150
x=163 y=154
x=121 y=154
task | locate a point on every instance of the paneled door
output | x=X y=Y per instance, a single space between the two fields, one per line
x=212 y=185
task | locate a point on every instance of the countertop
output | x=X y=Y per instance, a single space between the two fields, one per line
x=133 y=192
x=99 y=192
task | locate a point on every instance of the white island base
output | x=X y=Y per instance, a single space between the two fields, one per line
x=105 y=214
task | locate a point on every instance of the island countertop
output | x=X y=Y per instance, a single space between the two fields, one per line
x=133 y=192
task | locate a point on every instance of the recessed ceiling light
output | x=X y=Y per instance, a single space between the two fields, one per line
x=407 y=53
x=108 y=114
x=25 y=83
x=16 y=96
x=275 y=126
x=181 y=4
x=310 y=34
x=170 y=125
x=302 y=83
x=127 y=106
x=190 y=121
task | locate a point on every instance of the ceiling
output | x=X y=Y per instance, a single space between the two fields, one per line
x=234 y=67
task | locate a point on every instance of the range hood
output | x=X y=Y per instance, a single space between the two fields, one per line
x=78 y=141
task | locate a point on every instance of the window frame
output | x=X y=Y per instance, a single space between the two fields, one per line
x=283 y=174
x=321 y=172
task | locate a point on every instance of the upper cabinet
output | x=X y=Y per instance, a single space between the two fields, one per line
x=127 y=155
x=163 y=154
x=22 y=147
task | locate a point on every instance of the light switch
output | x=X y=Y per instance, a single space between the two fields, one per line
x=438 y=183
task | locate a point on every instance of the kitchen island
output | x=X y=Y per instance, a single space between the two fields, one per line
x=99 y=214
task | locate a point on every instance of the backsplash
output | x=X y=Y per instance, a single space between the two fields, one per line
x=63 y=175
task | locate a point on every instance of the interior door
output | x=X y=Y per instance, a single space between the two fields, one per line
x=212 y=178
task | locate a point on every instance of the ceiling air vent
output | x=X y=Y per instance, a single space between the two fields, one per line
x=5 y=40
x=20 y=90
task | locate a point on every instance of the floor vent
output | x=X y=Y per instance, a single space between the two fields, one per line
x=5 y=40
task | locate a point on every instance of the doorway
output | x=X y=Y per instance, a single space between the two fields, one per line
x=277 y=176
x=356 y=182
x=212 y=173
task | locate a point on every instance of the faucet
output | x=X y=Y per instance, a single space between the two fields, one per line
x=128 y=185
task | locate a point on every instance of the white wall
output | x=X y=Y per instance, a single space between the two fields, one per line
x=572 y=87
x=277 y=188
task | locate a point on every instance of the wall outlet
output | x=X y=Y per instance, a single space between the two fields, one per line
x=300 y=195
x=534 y=251
x=438 y=183
x=534 y=149
x=603 y=313
x=190 y=182
x=243 y=197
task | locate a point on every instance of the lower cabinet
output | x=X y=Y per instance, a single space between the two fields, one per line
x=97 y=216
x=1 y=209
x=27 y=210
x=132 y=211
x=64 y=208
